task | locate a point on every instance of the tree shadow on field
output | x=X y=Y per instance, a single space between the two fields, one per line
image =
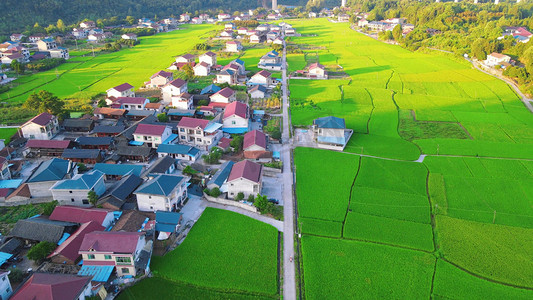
x=370 y=69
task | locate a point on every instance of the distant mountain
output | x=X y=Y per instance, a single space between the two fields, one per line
x=16 y=14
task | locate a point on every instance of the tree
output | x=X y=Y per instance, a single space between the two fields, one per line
x=251 y=199
x=236 y=142
x=130 y=20
x=15 y=275
x=213 y=156
x=93 y=197
x=240 y=196
x=215 y=192
x=162 y=117
x=18 y=67
x=82 y=167
x=261 y=202
x=45 y=101
x=203 y=102
x=61 y=25
x=40 y=251
x=101 y=103
x=189 y=171
x=397 y=33
x=49 y=207
x=189 y=72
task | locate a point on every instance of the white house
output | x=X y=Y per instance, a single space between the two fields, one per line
x=182 y=101
x=123 y=90
x=245 y=177
x=187 y=58
x=494 y=59
x=129 y=36
x=236 y=118
x=261 y=78
x=199 y=132
x=46 y=44
x=152 y=135
x=227 y=76
x=174 y=88
x=164 y=193
x=75 y=191
x=5 y=286
x=317 y=70
x=87 y=25
x=131 y=102
x=159 y=79
x=209 y=58
x=258 y=92
x=41 y=127
x=225 y=95
x=202 y=69
x=233 y=46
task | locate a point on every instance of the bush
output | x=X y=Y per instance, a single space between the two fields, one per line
x=15 y=275
x=82 y=167
x=49 y=207
x=215 y=192
x=45 y=64
x=236 y=142
x=41 y=251
x=213 y=156
x=189 y=171
x=251 y=199
x=202 y=46
x=240 y=196
x=203 y=102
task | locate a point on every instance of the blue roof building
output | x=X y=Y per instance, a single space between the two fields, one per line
x=178 y=151
x=75 y=191
x=163 y=193
x=116 y=171
x=331 y=133
x=167 y=221
x=221 y=175
x=210 y=89
x=51 y=170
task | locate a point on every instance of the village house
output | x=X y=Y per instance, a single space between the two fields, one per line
x=121 y=250
x=257 y=38
x=227 y=76
x=88 y=24
x=47 y=174
x=229 y=26
x=68 y=251
x=152 y=135
x=245 y=177
x=175 y=114
x=75 y=191
x=199 y=132
x=185 y=18
x=108 y=113
x=157 y=107
x=331 y=133
x=271 y=35
x=59 y=52
x=167 y=222
x=96 y=37
x=5 y=285
x=91 y=142
x=236 y=118
x=187 y=58
x=233 y=46
x=85 y=156
x=343 y=18
x=270 y=61
x=209 y=58
x=220 y=177
x=107 y=130
x=258 y=92
x=255 y=145
x=226 y=95
x=362 y=22
x=318 y=71
x=47 y=147
x=162 y=165
x=242 y=31
x=80 y=33
x=38 y=37
x=120 y=193
x=134 y=153
x=263 y=28
x=46 y=44
x=261 y=78
x=164 y=192
x=202 y=69
x=179 y=151
x=52 y=285
x=174 y=88
x=223 y=17
x=118 y=171
x=78 y=125
x=130 y=103
x=139 y=114
x=227 y=34
x=43 y=126
x=4 y=169
x=495 y=59
x=183 y=101
x=81 y=215
x=123 y=90
x=210 y=89
x=16 y=37
x=38 y=229
x=159 y=79
x=129 y=36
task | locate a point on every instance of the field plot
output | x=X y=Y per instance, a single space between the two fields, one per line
x=7 y=133
x=224 y=253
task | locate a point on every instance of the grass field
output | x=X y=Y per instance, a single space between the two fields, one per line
x=450 y=222
x=7 y=133
x=224 y=254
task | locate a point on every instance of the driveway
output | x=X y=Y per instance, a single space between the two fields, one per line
x=272 y=187
x=193 y=209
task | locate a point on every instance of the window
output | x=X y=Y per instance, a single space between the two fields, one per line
x=70 y=192
x=199 y=139
x=71 y=199
x=125 y=270
x=107 y=256
x=85 y=201
x=8 y=290
x=183 y=137
x=90 y=256
x=198 y=132
x=4 y=278
x=123 y=260
x=233 y=122
x=182 y=129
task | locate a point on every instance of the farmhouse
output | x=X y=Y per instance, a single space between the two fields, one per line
x=227 y=34
x=164 y=192
x=156 y=107
x=226 y=95
x=210 y=89
x=67 y=251
x=197 y=132
x=173 y=88
x=78 y=125
x=90 y=142
x=108 y=113
x=43 y=126
x=245 y=177
x=47 y=174
x=187 y=58
x=495 y=59
x=135 y=153
x=159 y=79
x=209 y=58
x=255 y=145
x=118 y=171
x=40 y=229
x=202 y=69
x=233 y=46
x=75 y=191
x=257 y=92
x=129 y=36
x=131 y=103
x=227 y=76
x=123 y=90
x=179 y=151
x=261 y=78
x=47 y=147
x=86 y=156
x=236 y=118
x=318 y=71
x=163 y=165
x=270 y=61
x=183 y=101
x=152 y=135
x=50 y=285
x=331 y=133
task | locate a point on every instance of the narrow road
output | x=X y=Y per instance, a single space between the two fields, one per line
x=258 y=217
x=289 y=279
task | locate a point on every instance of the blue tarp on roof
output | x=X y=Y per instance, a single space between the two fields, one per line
x=4 y=257
x=211 y=127
x=136 y=143
x=276 y=155
x=99 y=273
x=222 y=174
x=170 y=138
x=178 y=149
x=10 y=184
x=64 y=238
x=259 y=112
x=239 y=130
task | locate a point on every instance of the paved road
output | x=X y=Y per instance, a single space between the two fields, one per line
x=258 y=217
x=289 y=280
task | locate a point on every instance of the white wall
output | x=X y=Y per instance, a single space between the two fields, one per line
x=235 y=122
x=243 y=185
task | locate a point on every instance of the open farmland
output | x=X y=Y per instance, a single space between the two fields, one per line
x=460 y=217
x=87 y=76
x=225 y=255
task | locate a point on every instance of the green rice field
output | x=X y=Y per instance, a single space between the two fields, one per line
x=376 y=222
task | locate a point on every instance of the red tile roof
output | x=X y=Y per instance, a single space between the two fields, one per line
x=233 y=42
x=48 y=286
x=178 y=82
x=188 y=56
x=111 y=241
x=316 y=65
x=41 y=119
x=225 y=92
x=193 y=123
x=215 y=105
x=109 y=111
x=156 y=105
x=131 y=100
x=254 y=137
x=71 y=247
x=246 y=169
x=48 y=144
x=149 y=129
x=162 y=73
x=263 y=73
x=257 y=154
x=77 y=214
x=123 y=87
x=203 y=64
x=211 y=54
x=236 y=108
x=224 y=143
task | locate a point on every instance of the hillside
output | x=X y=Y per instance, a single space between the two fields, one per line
x=48 y=11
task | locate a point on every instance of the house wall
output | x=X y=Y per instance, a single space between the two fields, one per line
x=154 y=140
x=235 y=122
x=158 y=81
x=35 y=131
x=317 y=71
x=260 y=80
x=225 y=79
x=255 y=148
x=201 y=71
x=181 y=103
x=5 y=287
x=330 y=132
x=115 y=93
x=257 y=95
x=212 y=61
x=154 y=203
x=199 y=139
x=170 y=90
x=65 y=196
x=99 y=259
x=41 y=189
x=221 y=99
x=245 y=186
x=179 y=156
